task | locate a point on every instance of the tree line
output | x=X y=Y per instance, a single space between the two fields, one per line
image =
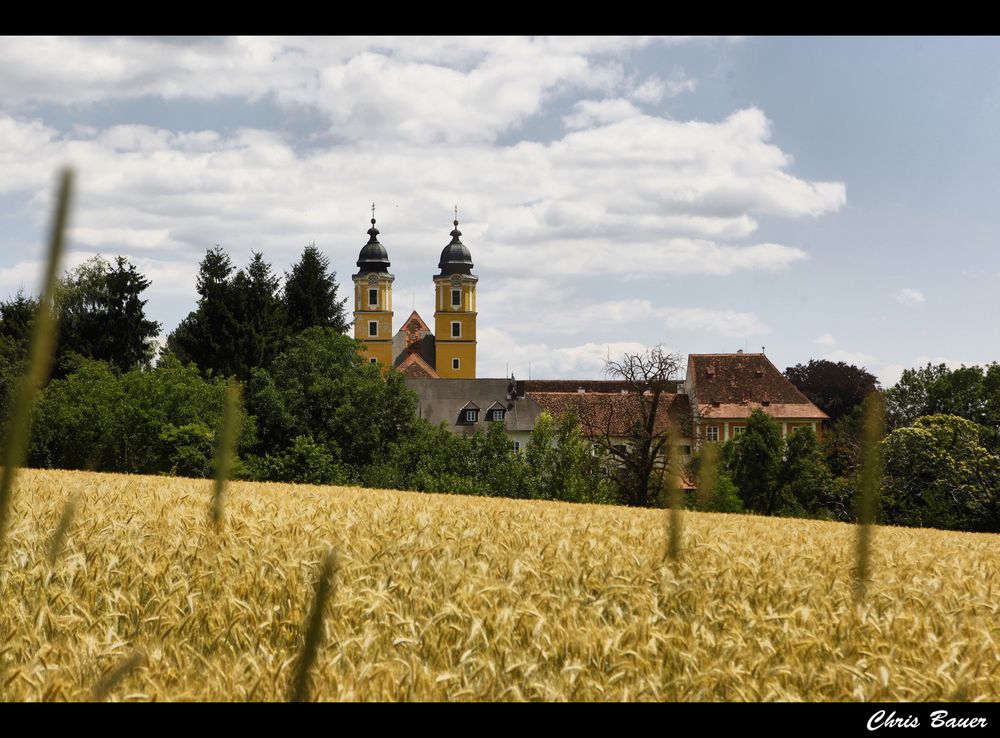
x=315 y=411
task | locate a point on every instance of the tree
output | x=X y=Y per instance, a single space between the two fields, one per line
x=753 y=460
x=806 y=486
x=310 y=296
x=101 y=316
x=938 y=474
x=259 y=317
x=560 y=465
x=835 y=388
x=322 y=387
x=970 y=392
x=208 y=336
x=17 y=316
x=639 y=464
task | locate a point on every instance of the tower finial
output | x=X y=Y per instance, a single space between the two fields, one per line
x=456 y=214
x=373 y=213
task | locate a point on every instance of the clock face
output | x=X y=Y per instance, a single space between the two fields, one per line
x=455 y=280
x=372 y=280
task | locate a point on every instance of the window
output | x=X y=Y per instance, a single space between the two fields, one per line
x=496 y=414
x=470 y=416
x=372 y=327
x=686 y=450
x=456 y=329
x=373 y=360
x=454 y=364
x=456 y=298
x=739 y=430
x=373 y=297
x=712 y=433
x=517 y=445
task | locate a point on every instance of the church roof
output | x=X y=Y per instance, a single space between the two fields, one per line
x=455 y=258
x=733 y=385
x=414 y=367
x=373 y=256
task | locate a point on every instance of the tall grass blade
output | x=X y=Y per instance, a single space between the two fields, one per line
x=225 y=450
x=676 y=501
x=871 y=481
x=299 y=691
x=708 y=464
x=59 y=536
x=111 y=679
x=40 y=352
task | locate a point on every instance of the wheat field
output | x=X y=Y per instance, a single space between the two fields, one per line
x=439 y=597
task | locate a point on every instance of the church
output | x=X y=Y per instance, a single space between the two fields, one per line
x=711 y=404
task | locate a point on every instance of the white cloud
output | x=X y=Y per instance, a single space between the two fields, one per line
x=857 y=358
x=920 y=361
x=909 y=297
x=588 y=113
x=825 y=340
x=501 y=352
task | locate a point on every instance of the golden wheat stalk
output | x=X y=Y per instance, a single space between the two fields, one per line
x=111 y=678
x=40 y=351
x=871 y=480
x=299 y=691
x=225 y=450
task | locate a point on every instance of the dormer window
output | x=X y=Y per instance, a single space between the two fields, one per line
x=766 y=403
x=711 y=372
x=758 y=373
x=715 y=403
x=470 y=416
x=496 y=415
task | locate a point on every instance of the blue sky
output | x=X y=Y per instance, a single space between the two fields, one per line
x=823 y=197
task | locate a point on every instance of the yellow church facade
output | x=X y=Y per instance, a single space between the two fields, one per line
x=449 y=352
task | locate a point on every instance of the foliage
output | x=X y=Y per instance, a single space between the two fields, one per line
x=939 y=474
x=560 y=464
x=969 y=392
x=310 y=296
x=102 y=318
x=835 y=388
x=753 y=460
x=716 y=490
x=305 y=462
x=208 y=336
x=320 y=386
x=806 y=487
x=159 y=421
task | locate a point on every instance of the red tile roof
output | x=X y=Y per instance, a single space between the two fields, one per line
x=614 y=413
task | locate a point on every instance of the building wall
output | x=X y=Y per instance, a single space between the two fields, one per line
x=378 y=347
x=463 y=347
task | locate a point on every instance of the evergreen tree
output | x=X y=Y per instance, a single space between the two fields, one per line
x=102 y=318
x=128 y=332
x=259 y=315
x=208 y=336
x=753 y=461
x=311 y=295
x=16 y=317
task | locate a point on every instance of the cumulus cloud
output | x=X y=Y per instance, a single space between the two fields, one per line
x=620 y=193
x=909 y=297
x=500 y=353
x=825 y=340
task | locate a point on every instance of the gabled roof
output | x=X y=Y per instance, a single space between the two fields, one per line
x=614 y=413
x=413 y=366
x=739 y=383
x=443 y=400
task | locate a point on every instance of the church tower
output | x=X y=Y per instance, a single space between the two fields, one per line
x=455 y=312
x=373 y=299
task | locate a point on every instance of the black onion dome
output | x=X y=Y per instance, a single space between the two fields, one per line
x=455 y=259
x=373 y=256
